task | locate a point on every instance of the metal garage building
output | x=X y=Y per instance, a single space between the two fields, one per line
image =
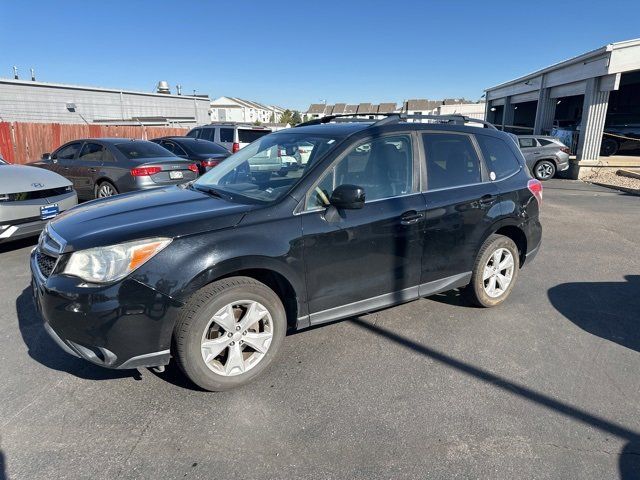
x=579 y=95
x=40 y=102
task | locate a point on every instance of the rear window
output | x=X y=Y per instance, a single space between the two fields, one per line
x=499 y=158
x=142 y=149
x=248 y=136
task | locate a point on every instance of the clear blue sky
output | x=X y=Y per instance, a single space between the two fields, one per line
x=292 y=53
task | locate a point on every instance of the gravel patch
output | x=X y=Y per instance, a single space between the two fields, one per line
x=610 y=178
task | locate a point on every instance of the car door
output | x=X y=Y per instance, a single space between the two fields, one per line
x=86 y=168
x=62 y=161
x=530 y=149
x=371 y=255
x=461 y=205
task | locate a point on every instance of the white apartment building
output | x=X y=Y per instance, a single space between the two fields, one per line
x=233 y=109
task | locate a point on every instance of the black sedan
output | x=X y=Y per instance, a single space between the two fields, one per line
x=204 y=153
x=101 y=167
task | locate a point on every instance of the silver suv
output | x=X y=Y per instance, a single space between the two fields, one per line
x=544 y=155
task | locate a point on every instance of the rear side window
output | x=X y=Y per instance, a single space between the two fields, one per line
x=226 y=135
x=451 y=160
x=248 y=136
x=91 y=152
x=544 y=142
x=207 y=133
x=499 y=158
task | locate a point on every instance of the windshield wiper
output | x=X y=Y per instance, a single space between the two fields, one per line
x=210 y=190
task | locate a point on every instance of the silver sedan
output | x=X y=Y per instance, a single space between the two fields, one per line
x=29 y=198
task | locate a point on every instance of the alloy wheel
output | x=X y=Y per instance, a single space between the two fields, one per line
x=105 y=190
x=498 y=272
x=544 y=170
x=237 y=338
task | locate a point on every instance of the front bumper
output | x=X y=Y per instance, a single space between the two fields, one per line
x=122 y=325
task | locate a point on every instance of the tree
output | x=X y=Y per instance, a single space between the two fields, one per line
x=291 y=117
x=257 y=123
x=272 y=118
x=295 y=118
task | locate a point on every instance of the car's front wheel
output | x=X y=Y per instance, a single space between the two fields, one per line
x=229 y=332
x=544 y=170
x=494 y=273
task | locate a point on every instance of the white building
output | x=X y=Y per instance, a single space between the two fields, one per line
x=233 y=109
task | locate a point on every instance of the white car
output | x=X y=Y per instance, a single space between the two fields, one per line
x=29 y=198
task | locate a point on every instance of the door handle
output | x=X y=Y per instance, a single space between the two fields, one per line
x=93 y=170
x=487 y=200
x=410 y=218
x=536 y=153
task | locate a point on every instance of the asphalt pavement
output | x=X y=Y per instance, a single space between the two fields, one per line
x=545 y=386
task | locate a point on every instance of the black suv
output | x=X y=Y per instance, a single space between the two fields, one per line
x=214 y=272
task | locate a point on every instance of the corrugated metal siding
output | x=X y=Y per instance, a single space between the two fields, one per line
x=26 y=142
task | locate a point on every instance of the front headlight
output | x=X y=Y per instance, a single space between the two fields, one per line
x=112 y=263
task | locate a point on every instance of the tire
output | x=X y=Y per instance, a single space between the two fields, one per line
x=196 y=325
x=609 y=147
x=105 y=189
x=544 y=170
x=476 y=292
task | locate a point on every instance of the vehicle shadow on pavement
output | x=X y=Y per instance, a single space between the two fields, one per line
x=18 y=244
x=45 y=351
x=609 y=310
x=629 y=457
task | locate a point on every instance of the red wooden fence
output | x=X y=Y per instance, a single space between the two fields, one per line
x=26 y=142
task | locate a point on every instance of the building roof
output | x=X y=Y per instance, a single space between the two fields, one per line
x=421 y=104
x=387 y=108
x=338 y=108
x=316 y=108
x=351 y=109
x=328 y=110
x=365 y=108
x=583 y=58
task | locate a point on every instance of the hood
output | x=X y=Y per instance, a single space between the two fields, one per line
x=21 y=178
x=161 y=212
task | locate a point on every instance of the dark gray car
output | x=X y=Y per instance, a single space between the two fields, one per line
x=101 y=167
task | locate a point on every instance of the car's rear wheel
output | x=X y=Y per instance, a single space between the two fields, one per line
x=609 y=147
x=106 y=189
x=544 y=170
x=494 y=273
x=229 y=332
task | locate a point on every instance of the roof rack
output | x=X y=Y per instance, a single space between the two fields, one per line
x=390 y=118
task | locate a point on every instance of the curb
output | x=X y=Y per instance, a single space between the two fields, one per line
x=630 y=191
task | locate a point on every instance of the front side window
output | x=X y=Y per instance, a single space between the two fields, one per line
x=526 y=142
x=68 y=152
x=383 y=167
x=268 y=168
x=452 y=160
x=194 y=133
x=91 y=152
x=499 y=158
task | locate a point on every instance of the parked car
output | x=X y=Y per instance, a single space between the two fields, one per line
x=102 y=167
x=621 y=134
x=204 y=153
x=29 y=198
x=232 y=136
x=214 y=272
x=544 y=155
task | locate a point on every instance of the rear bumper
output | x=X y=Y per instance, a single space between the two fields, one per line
x=122 y=325
x=533 y=231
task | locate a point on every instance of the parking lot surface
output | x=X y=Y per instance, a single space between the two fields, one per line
x=544 y=386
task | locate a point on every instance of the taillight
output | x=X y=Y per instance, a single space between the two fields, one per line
x=566 y=150
x=235 y=147
x=144 y=171
x=193 y=167
x=210 y=162
x=535 y=187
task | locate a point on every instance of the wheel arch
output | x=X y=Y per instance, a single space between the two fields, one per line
x=514 y=232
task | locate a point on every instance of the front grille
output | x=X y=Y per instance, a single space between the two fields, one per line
x=34 y=195
x=45 y=263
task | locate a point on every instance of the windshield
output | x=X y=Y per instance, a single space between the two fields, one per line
x=204 y=147
x=268 y=168
x=142 y=149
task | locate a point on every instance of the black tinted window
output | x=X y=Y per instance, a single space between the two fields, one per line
x=203 y=147
x=91 y=152
x=499 y=158
x=194 y=133
x=226 y=135
x=544 y=142
x=207 y=133
x=451 y=160
x=68 y=152
x=248 y=136
x=142 y=149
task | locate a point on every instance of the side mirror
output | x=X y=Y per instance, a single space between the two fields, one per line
x=46 y=156
x=348 y=197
